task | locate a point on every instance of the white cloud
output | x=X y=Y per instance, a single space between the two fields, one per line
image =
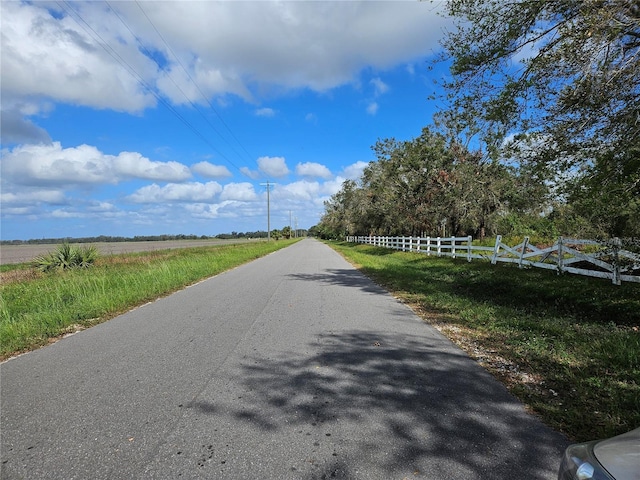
x=236 y=48
x=238 y=191
x=302 y=190
x=227 y=209
x=307 y=190
x=46 y=56
x=205 y=211
x=9 y=211
x=101 y=207
x=340 y=37
x=354 y=171
x=134 y=165
x=379 y=86
x=372 y=108
x=210 y=170
x=311 y=169
x=50 y=164
x=67 y=213
x=180 y=86
x=177 y=192
x=15 y=128
x=235 y=51
x=273 y=166
x=265 y=112
x=31 y=196
x=252 y=174
x=333 y=186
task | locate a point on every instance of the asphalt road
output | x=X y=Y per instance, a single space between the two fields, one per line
x=294 y=366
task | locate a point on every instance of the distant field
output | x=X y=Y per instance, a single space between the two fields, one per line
x=10 y=254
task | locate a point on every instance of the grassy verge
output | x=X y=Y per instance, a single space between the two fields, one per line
x=568 y=346
x=37 y=307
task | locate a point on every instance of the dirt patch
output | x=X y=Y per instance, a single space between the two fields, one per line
x=19 y=275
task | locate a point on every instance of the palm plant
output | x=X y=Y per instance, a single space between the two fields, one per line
x=67 y=257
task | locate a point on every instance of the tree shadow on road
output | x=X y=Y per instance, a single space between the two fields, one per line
x=341 y=277
x=425 y=407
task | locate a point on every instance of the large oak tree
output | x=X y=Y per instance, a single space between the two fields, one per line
x=555 y=83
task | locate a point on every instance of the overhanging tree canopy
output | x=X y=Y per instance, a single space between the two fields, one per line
x=559 y=79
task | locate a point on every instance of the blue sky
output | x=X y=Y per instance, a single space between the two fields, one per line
x=148 y=118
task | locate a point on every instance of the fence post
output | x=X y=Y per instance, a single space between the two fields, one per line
x=616 y=244
x=469 y=240
x=438 y=246
x=404 y=249
x=496 y=249
x=418 y=243
x=524 y=249
x=453 y=247
x=560 y=256
x=428 y=246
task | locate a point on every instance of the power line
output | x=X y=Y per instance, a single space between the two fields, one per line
x=194 y=82
x=105 y=45
x=150 y=55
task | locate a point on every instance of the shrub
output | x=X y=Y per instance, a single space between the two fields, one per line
x=66 y=257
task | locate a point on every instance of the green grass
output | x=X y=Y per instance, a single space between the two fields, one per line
x=36 y=307
x=13 y=266
x=568 y=346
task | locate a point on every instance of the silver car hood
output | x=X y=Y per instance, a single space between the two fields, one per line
x=620 y=455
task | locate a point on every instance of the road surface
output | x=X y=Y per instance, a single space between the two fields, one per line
x=294 y=366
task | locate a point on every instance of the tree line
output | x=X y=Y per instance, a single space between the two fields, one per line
x=103 y=239
x=276 y=233
x=137 y=238
x=285 y=232
x=539 y=131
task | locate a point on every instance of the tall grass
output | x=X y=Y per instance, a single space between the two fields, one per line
x=36 y=308
x=568 y=346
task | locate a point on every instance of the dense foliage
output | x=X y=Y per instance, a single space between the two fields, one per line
x=548 y=95
x=432 y=185
x=555 y=85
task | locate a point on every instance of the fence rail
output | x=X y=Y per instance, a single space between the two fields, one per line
x=581 y=257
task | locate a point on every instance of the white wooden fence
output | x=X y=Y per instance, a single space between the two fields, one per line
x=581 y=257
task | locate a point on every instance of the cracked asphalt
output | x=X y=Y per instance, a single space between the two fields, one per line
x=294 y=366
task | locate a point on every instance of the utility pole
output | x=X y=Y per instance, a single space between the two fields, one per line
x=268 y=185
x=289 y=223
